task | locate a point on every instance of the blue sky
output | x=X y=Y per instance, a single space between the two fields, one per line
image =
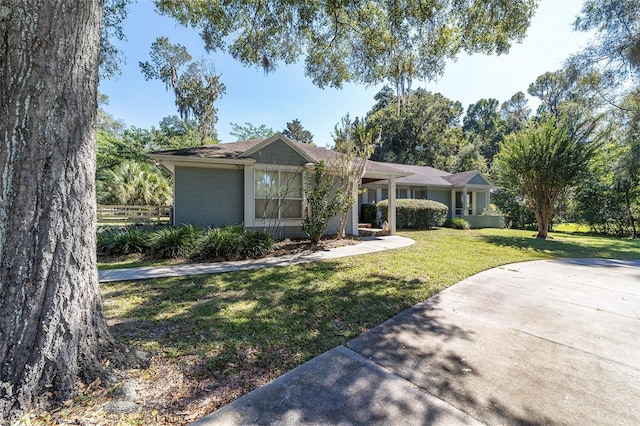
x=279 y=97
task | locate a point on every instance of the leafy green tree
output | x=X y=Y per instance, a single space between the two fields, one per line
x=365 y=42
x=569 y=91
x=322 y=205
x=295 y=131
x=195 y=84
x=544 y=160
x=424 y=133
x=515 y=112
x=609 y=201
x=112 y=150
x=617 y=46
x=113 y=16
x=484 y=128
x=249 y=131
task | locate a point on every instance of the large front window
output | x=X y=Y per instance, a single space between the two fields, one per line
x=278 y=194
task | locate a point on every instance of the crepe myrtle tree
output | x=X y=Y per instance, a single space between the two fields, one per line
x=543 y=161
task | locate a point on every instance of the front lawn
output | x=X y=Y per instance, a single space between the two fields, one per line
x=217 y=337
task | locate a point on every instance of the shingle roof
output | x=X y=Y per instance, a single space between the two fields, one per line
x=413 y=175
x=429 y=176
x=223 y=150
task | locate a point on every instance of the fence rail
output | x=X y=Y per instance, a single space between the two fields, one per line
x=133 y=214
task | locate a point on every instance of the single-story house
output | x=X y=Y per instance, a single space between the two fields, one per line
x=259 y=183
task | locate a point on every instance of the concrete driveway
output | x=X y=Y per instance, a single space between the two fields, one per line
x=545 y=342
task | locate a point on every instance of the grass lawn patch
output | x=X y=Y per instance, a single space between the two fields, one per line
x=216 y=337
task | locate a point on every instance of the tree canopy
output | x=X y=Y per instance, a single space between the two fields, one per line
x=364 y=42
x=617 y=44
x=543 y=160
x=295 y=131
x=195 y=84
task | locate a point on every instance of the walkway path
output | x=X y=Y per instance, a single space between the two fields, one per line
x=368 y=245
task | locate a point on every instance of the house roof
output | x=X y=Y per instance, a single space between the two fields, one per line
x=239 y=151
x=429 y=176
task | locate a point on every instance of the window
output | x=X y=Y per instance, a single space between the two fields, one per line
x=278 y=194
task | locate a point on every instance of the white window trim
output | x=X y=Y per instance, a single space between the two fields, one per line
x=250 y=197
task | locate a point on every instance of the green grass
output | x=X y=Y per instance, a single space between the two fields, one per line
x=234 y=326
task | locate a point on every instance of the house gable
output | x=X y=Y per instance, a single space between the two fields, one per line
x=478 y=180
x=277 y=150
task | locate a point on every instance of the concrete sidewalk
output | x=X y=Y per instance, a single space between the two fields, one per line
x=544 y=342
x=368 y=245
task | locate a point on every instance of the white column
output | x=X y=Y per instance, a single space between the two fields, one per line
x=378 y=194
x=465 y=204
x=453 y=204
x=391 y=213
x=354 y=212
x=474 y=203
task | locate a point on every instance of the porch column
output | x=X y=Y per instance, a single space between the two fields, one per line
x=391 y=213
x=465 y=202
x=354 y=212
x=452 y=212
x=487 y=199
x=474 y=203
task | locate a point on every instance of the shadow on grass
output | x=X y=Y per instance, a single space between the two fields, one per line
x=231 y=333
x=570 y=246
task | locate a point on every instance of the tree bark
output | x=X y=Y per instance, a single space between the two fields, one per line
x=52 y=329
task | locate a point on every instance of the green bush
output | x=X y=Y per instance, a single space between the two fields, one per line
x=172 y=242
x=368 y=213
x=257 y=244
x=457 y=223
x=416 y=214
x=119 y=241
x=220 y=243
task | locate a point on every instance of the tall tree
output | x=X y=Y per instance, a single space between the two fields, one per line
x=250 y=131
x=543 y=161
x=195 y=84
x=515 y=112
x=295 y=131
x=570 y=91
x=617 y=46
x=52 y=331
x=484 y=127
x=365 y=42
x=424 y=133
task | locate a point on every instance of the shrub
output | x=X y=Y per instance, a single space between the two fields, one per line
x=457 y=223
x=220 y=243
x=172 y=242
x=416 y=214
x=257 y=244
x=120 y=241
x=368 y=213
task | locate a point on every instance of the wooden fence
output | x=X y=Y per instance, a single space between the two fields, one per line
x=133 y=214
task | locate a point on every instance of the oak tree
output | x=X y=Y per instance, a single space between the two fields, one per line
x=52 y=330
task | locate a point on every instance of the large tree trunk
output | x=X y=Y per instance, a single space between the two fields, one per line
x=51 y=322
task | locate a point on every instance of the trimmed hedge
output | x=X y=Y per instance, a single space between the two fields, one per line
x=416 y=214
